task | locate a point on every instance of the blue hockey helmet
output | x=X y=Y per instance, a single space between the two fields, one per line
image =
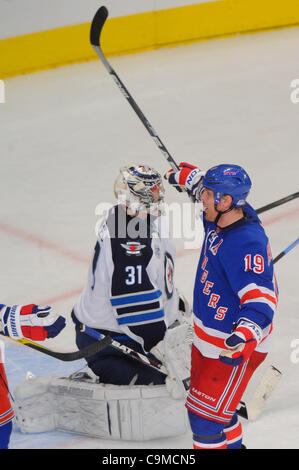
x=228 y=179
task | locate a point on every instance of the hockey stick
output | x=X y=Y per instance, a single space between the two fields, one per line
x=141 y=358
x=252 y=409
x=65 y=356
x=286 y=250
x=95 y=34
x=137 y=356
x=277 y=203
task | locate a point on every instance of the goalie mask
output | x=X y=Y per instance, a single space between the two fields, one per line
x=140 y=188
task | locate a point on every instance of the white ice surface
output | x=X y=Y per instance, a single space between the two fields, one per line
x=63 y=135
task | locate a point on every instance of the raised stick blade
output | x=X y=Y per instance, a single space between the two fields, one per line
x=97 y=25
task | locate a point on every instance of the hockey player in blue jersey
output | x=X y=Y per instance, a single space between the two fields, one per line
x=235 y=297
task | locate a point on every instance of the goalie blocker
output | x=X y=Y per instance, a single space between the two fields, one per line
x=82 y=405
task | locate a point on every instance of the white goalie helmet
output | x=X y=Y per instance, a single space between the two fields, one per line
x=140 y=188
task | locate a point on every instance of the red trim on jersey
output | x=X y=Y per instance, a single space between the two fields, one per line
x=255 y=294
x=6 y=417
x=219 y=342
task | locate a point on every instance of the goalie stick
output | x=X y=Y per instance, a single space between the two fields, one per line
x=65 y=356
x=137 y=356
x=95 y=40
x=252 y=409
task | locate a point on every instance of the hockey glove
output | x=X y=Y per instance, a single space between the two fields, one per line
x=30 y=321
x=241 y=343
x=186 y=179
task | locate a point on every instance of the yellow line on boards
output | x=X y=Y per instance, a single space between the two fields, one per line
x=143 y=31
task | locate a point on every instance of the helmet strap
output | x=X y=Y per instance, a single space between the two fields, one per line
x=220 y=213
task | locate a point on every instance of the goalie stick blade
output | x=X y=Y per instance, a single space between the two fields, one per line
x=97 y=25
x=262 y=393
x=252 y=409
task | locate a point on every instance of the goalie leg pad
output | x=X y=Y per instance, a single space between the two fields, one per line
x=137 y=413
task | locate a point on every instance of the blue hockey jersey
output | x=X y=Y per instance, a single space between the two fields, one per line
x=235 y=279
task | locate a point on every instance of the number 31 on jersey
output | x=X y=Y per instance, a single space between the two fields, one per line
x=134 y=275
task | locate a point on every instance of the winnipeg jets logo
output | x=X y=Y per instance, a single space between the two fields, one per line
x=133 y=248
x=169 y=275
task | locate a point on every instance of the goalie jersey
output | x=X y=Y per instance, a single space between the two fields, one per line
x=235 y=279
x=130 y=288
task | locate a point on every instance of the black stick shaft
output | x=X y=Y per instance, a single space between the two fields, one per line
x=95 y=33
x=65 y=356
x=95 y=36
x=286 y=250
x=277 y=203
